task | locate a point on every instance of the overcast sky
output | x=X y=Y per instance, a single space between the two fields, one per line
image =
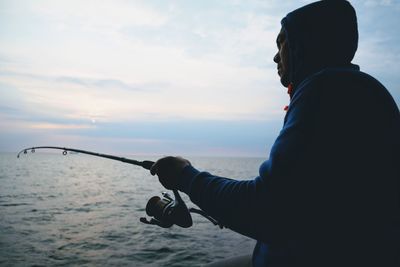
x=159 y=77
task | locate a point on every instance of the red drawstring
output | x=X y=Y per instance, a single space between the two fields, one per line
x=289 y=91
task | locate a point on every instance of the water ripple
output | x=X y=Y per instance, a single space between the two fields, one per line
x=84 y=211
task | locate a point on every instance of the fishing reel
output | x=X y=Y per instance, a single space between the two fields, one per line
x=167 y=211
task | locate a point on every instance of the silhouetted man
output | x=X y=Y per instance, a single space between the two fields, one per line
x=329 y=193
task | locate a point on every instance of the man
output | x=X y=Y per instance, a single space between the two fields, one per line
x=329 y=193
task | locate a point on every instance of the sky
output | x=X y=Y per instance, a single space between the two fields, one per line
x=189 y=78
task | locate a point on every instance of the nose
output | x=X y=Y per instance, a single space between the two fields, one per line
x=277 y=58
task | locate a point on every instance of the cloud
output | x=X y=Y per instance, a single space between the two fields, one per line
x=187 y=86
x=100 y=83
x=63 y=126
x=161 y=77
x=374 y=3
x=104 y=68
x=105 y=83
x=99 y=15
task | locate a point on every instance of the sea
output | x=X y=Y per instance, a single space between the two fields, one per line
x=80 y=210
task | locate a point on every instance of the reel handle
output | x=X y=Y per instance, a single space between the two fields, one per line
x=167 y=211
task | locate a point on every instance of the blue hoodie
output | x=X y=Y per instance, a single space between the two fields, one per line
x=328 y=195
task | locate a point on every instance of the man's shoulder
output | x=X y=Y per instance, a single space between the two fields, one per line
x=340 y=78
x=345 y=87
x=338 y=85
x=345 y=74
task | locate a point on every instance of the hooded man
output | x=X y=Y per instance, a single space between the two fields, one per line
x=329 y=193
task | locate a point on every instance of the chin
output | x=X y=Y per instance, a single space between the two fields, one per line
x=284 y=81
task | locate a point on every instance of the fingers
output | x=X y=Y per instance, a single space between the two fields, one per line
x=153 y=169
x=161 y=164
x=156 y=166
x=168 y=170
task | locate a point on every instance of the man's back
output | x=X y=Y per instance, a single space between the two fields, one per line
x=341 y=190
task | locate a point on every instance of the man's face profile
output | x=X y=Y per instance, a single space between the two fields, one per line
x=282 y=58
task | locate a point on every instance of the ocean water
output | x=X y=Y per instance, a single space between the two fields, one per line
x=81 y=210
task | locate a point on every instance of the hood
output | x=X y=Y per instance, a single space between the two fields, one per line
x=320 y=35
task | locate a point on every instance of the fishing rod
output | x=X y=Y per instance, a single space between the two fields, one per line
x=164 y=212
x=145 y=164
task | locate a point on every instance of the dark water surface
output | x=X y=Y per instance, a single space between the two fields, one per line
x=79 y=210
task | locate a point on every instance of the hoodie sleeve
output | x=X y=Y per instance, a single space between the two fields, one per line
x=253 y=207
